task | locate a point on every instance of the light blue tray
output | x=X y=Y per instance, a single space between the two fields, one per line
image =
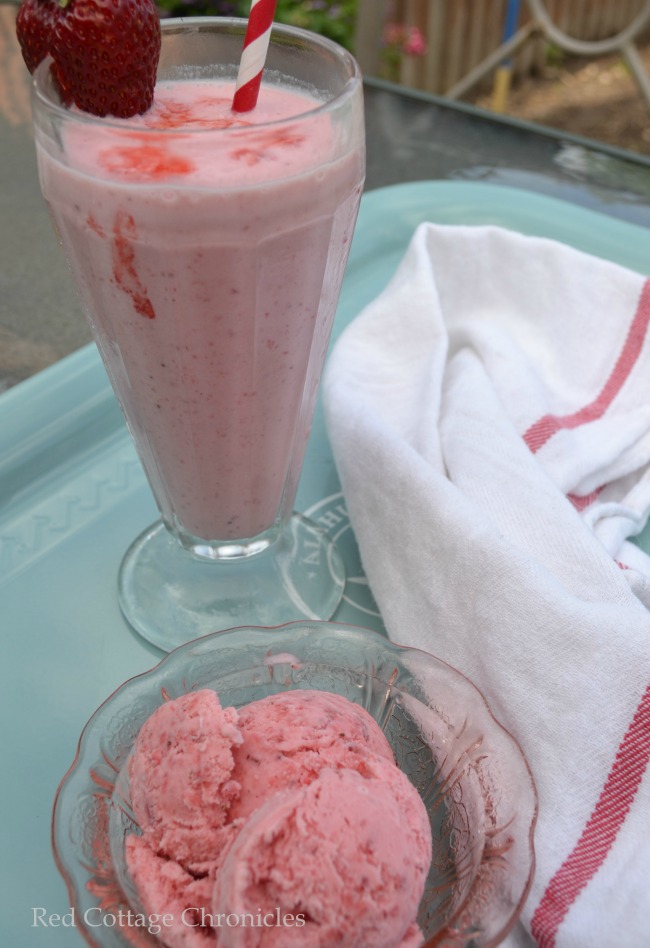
x=73 y=496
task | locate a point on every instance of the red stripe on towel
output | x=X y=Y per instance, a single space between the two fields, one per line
x=600 y=831
x=544 y=429
x=581 y=503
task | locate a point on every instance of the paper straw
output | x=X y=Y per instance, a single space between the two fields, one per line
x=256 y=44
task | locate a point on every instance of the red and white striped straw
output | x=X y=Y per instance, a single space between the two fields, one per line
x=256 y=44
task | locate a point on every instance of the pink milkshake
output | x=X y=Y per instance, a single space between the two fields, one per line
x=210 y=268
x=208 y=248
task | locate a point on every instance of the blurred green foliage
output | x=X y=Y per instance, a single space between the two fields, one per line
x=333 y=18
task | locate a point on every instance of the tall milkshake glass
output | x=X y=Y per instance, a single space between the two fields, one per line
x=208 y=249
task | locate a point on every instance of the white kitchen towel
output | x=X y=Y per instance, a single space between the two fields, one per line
x=489 y=414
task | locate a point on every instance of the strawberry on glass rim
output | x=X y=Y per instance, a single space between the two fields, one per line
x=104 y=52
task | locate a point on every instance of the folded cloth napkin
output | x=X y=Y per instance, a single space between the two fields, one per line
x=489 y=414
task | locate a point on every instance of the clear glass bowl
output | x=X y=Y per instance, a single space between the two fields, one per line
x=470 y=772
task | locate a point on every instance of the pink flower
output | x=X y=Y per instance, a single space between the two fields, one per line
x=414 y=43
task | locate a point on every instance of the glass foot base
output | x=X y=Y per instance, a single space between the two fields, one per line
x=169 y=595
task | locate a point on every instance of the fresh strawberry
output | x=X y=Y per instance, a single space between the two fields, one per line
x=34 y=27
x=105 y=52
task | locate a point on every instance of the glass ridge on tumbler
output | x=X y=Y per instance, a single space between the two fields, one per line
x=208 y=249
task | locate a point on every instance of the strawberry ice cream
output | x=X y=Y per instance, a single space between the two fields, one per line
x=180 y=777
x=339 y=858
x=283 y=823
x=290 y=737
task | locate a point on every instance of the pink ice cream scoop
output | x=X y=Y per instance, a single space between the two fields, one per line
x=288 y=738
x=294 y=802
x=165 y=888
x=342 y=861
x=181 y=778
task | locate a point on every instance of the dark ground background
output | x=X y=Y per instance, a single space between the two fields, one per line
x=597 y=98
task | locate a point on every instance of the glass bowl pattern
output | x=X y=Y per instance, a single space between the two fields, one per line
x=470 y=772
